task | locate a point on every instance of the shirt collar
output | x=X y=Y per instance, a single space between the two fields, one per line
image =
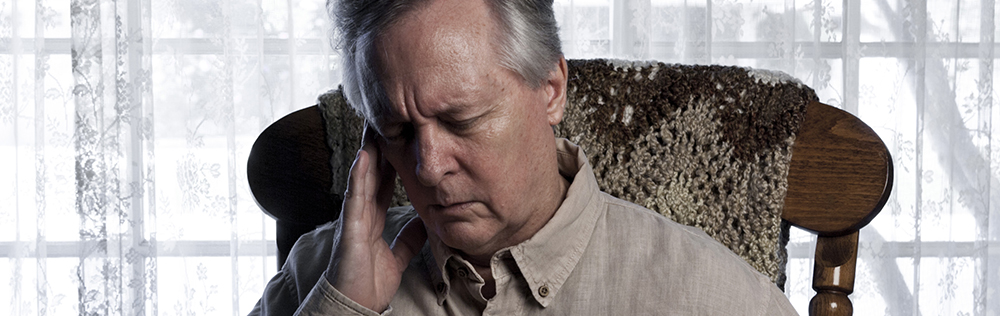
x=547 y=258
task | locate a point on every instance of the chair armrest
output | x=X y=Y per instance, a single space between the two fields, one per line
x=840 y=175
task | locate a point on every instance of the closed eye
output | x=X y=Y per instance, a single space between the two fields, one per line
x=461 y=125
x=464 y=125
x=398 y=134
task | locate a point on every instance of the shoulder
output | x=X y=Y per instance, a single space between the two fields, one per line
x=680 y=261
x=625 y=217
x=633 y=226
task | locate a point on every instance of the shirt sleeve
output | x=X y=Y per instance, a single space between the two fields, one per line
x=778 y=303
x=280 y=297
x=301 y=288
x=303 y=269
x=324 y=299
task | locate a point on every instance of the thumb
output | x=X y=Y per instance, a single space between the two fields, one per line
x=408 y=242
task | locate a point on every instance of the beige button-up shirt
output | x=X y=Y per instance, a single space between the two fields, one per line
x=598 y=255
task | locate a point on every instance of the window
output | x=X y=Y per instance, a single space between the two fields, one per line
x=125 y=126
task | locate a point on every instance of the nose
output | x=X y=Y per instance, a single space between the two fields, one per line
x=433 y=156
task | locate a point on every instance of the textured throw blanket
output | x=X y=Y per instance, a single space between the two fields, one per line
x=707 y=146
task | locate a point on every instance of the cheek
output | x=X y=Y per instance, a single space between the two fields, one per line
x=506 y=161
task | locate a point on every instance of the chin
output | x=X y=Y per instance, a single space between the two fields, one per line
x=463 y=236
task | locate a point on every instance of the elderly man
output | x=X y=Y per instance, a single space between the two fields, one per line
x=460 y=97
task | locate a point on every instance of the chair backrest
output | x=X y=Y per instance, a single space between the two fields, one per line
x=290 y=176
x=708 y=146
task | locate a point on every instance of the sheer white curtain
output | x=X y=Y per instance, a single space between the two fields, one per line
x=125 y=125
x=124 y=132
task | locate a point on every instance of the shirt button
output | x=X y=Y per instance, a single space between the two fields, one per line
x=463 y=273
x=543 y=291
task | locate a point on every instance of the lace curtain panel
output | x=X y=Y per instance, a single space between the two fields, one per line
x=125 y=127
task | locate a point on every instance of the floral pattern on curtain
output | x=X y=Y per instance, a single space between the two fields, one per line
x=124 y=132
x=125 y=126
x=116 y=262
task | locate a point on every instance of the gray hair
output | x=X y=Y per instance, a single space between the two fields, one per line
x=529 y=43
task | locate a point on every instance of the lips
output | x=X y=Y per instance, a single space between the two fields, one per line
x=454 y=208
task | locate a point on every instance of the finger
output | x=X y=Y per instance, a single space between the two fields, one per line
x=372 y=212
x=370 y=147
x=408 y=242
x=385 y=173
x=369 y=143
x=354 y=197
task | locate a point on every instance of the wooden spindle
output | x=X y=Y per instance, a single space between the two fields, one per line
x=833 y=275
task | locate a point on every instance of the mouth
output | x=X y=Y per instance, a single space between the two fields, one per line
x=453 y=208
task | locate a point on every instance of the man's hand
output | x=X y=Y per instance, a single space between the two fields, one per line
x=365 y=268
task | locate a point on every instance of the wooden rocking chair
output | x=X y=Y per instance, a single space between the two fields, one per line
x=839 y=178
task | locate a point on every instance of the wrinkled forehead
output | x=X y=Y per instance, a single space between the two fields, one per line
x=435 y=54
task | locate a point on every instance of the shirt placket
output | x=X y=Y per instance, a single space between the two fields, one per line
x=508 y=299
x=466 y=283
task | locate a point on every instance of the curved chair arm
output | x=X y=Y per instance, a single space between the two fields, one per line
x=839 y=178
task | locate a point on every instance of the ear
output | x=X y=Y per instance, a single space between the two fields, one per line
x=555 y=87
